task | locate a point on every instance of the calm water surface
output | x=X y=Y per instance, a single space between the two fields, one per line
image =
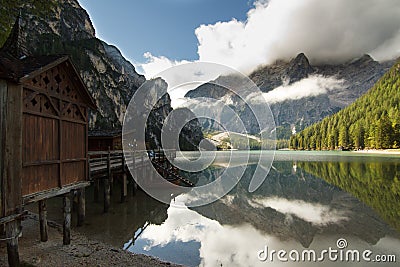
x=309 y=200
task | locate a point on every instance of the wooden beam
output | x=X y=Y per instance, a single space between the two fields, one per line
x=12 y=217
x=43 y=221
x=53 y=192
x=67 y=219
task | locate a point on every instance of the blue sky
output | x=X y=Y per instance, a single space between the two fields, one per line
x=162 y=27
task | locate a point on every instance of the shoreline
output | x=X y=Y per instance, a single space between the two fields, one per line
x=81 y=252
x=365 y=151
x=379 y=151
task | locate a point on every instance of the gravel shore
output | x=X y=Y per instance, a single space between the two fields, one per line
x=81 y=252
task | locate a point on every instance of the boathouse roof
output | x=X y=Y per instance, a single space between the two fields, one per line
x=18 y=64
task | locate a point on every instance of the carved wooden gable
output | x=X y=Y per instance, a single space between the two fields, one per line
x=56 y=92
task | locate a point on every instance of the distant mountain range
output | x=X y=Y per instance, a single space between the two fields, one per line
x=298 y=92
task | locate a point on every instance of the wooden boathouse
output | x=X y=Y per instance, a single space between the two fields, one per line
x=102 y=140
x=44 y=136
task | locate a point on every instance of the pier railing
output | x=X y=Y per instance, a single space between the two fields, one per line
x=105 y=165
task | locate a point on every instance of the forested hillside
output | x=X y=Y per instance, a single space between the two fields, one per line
x=372 y=121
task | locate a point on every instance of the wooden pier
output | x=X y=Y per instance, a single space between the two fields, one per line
x=108 y=166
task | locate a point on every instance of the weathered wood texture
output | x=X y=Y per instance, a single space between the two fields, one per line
x=11 y=149
x=11 y=162
x=12 y=232
x=43 y=220
x=67 y=219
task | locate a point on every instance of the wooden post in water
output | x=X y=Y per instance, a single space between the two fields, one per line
x=43 y=221
x=143 y=169
x=107 y=189
x=96 y=185
x=81 y=206
x=67 y=219
x=111 y=176
x=12 y=232
x=96 y=190
x=134 y=173
x=124 y=185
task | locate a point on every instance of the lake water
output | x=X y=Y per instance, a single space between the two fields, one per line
x=308 y=202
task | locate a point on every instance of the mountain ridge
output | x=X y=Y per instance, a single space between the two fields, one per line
x=291 y=115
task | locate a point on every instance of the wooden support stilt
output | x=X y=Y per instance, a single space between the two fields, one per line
x=43 y=221
x=134 y=174
x=111 y=184
x=96 y=190
x=81 y=206
x=12 y=232
x=67 y=219
x=107 y=196
x=2 y=230
x=124 y=181
x=96 y=186
x=134 y=187
x=144 y=171
x=107 y=188
x=124 y=188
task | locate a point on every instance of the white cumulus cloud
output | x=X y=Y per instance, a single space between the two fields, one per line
x=311 y=86
x=326 y=31
x=155 y=65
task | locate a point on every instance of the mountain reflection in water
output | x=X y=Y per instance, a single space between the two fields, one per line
x=357 y=199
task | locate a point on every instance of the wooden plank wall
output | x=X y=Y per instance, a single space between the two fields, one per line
x=54 y=132
x=11 y=152
x=3 y=105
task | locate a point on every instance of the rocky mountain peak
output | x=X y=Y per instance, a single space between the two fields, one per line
x=365 y=60
x=299 y=68
x=300 y=60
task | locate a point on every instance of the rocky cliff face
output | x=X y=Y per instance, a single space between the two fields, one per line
x=64 y=27
x=355 y=77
